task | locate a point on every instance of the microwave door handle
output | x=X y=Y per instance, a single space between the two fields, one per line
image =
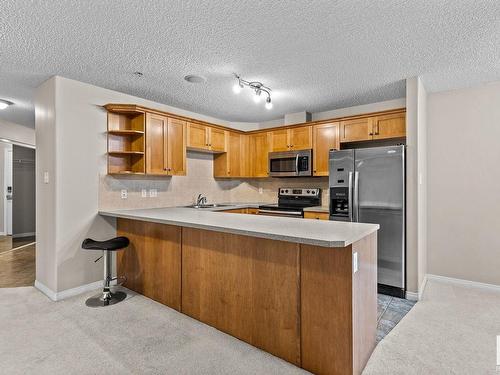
x=349 y=198
x=356 y=197
x=297 y=165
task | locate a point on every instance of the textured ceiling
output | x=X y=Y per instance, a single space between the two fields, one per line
x=315 y=55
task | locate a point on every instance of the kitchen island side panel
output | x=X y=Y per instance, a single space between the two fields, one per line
x=152 y=261
x=245 y=286
x=338 y=307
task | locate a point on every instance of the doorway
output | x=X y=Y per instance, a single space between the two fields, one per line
x=17 y=216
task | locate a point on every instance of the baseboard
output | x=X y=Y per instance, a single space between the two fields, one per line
x=474 y=284
x=18 y=235
x=46 y=290
x=3 y=234
x=58 y=296
x=412 y=296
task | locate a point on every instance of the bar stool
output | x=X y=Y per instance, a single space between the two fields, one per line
x=107 y=297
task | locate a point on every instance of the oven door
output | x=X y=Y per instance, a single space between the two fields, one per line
x=290 y=163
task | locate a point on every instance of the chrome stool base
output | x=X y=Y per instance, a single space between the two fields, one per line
x=106 y=299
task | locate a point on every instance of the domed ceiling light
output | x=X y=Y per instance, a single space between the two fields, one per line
x=257 y=87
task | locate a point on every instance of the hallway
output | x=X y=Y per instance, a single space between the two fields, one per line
x=17 y=266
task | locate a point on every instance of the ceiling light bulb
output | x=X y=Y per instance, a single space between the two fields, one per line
x=237 y=88
x=269 y=104
x=256 y=98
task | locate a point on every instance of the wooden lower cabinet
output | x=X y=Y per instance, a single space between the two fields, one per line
x=152 y=262
x=316 y=215
x=302 y=303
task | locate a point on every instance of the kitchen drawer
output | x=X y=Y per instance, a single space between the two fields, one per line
x=316 y=215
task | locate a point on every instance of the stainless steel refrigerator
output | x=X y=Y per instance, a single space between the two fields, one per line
x=367 y=185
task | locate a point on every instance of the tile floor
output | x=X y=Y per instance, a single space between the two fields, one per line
x=390 y=310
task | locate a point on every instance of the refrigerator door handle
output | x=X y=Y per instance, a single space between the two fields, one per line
x=349 y=198
x=356 y=197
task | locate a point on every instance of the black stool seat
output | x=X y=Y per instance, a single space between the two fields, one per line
x=113 y=244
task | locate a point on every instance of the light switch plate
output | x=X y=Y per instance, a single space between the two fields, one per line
x=124 y=194
x=261 y=191
x=45 y=177
x=354 y=262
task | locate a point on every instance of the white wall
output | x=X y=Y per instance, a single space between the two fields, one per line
x=464 y=184
x=416 y=175
x=17 y=133
x=422 y=185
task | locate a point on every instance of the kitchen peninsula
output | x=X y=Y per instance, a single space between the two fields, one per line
x=303 y=290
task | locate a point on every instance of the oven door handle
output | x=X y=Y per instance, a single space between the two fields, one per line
x=280 y=212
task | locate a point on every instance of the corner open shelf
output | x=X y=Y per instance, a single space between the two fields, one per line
x=126 y=140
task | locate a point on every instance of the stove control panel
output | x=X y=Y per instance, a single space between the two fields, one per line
x=308 y=192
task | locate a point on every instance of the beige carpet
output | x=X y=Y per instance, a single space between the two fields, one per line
x=452 y=330
x=137 y=336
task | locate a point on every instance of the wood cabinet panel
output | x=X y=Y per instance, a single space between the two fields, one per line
x=356 y=130
x=217 y=139
x=176 y=147
x=258 y=154
x=316 y=215
x=389 y=126
x=326 y=322
x=152 y=262
x=325 y=138
x=197 y=136
x=156 y=144
x=233 y=152
x=300 y=138
x=236 y=211
x=230 y=282
x=279 y=140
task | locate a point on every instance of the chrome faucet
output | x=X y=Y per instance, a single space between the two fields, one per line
x=201 y=200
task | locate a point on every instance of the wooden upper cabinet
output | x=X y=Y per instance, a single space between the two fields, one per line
x=356 y=130
x=233 y=151
x=291 y=139
x=206 y=138
x=176 y=147
x=197 y=136
x=389 y=126
x=300 y=138
x=258 y=153
x=156 y=144
x=229 y=163
x=165 y=145
x=280 y=140
x=216 y=139
x=325 y=138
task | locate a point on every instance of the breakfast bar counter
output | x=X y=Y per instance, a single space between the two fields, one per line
x=303 y=290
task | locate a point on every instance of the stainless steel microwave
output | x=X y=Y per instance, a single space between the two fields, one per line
x=290 y=163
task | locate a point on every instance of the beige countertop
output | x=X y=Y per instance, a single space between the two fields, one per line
x=312 y=232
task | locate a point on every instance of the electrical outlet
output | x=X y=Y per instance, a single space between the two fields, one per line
x=45 y=177
x=124 y=194
x=261 y=191
x=153 y=193
x=144 y=193
x=354 y=262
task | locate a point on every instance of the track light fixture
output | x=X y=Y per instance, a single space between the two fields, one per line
x=258 y=88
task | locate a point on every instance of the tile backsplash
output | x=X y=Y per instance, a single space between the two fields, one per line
x=183 y=190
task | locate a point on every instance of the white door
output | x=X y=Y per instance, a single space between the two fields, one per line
x=8 y=191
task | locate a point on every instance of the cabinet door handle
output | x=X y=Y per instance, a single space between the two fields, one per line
x=371 y=134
